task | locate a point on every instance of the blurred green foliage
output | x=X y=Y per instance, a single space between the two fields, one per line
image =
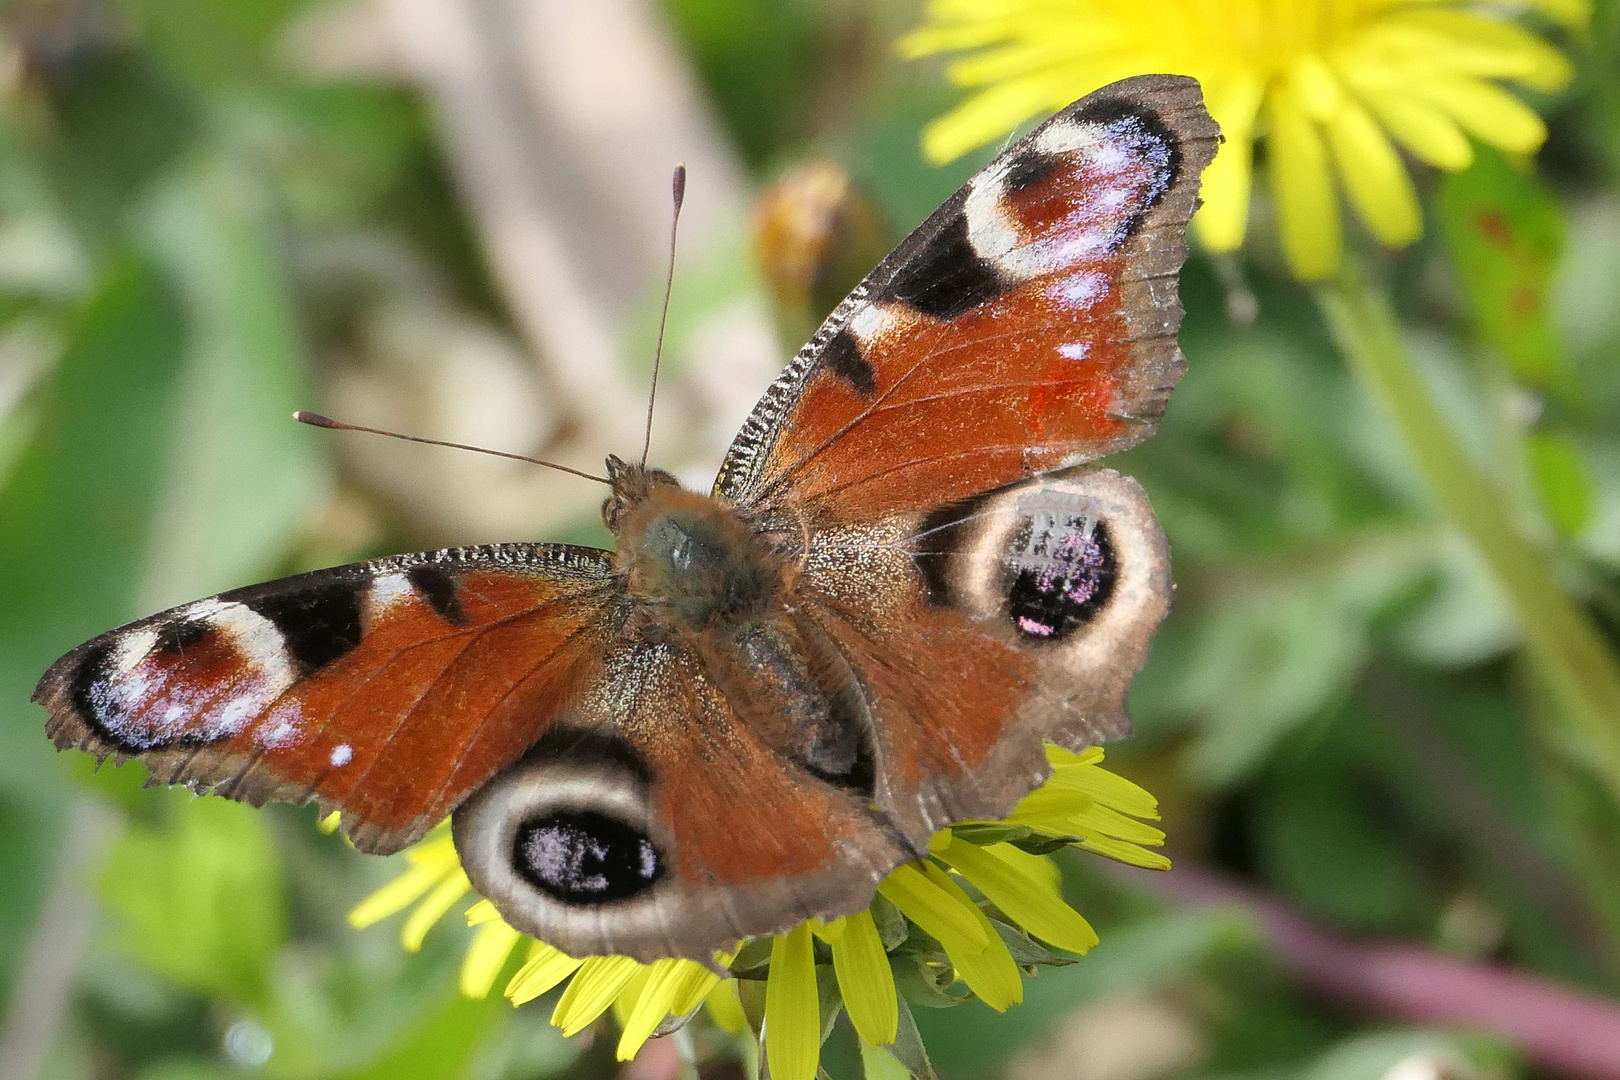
x=1338 y=713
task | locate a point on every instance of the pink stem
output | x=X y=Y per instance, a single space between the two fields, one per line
x=1565 y=1030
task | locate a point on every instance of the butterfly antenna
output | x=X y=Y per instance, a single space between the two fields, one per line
x=315 y=419
x=678 y=184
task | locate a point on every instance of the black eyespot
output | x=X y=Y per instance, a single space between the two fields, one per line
x=1060 y=573
x=1147 y=138
x=585 y=857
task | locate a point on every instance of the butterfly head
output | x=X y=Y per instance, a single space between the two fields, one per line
x=632 y=486
x=681 y=553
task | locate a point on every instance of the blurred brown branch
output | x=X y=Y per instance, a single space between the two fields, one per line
x=1559 y=1028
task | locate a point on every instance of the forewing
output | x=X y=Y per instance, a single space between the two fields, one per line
x=1027 y=325
x=387 y=690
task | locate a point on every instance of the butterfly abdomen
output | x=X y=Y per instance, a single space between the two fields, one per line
x=701 y=576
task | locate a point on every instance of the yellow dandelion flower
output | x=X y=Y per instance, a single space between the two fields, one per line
x=1082 y=804
x=1333 y=85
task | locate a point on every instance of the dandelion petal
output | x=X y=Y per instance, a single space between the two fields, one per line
x=432 y=909
x=1022 y=896
x=1375 y=177
x=725 y=1007
x=546 y=967
x=865 y=980
x=485 y=957
x=933 y=909
x=591 y=991
x=991 y=972
x=1224 y=217
x=1423 y=129
x=1307 y=207
x=792 y=1008
x=656 y=1001
x=1492 y=114
x=397 y=895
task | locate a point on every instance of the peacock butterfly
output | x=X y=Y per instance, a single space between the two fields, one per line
x=906 y=579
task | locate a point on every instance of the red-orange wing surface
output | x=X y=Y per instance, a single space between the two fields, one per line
x=1027 y=325
x=694 y=831
x=387 y=690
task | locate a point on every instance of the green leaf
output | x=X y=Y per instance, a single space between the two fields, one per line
x=73 y=536
x=908 y=1048
x=244 y=477
x=118 y=121
x=1321 y=840
x=1570 y=652
x=200 y=900
x=925 y=978
x=1506 y=234
x=1026 y=951
x=75 y=513
x=892 y=926
x=442 y=1044
x=211 y=42
x=1276 y=647
x=1371 y=1056
x=1562 y=480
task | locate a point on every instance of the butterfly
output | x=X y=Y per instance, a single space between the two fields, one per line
x=908 y=577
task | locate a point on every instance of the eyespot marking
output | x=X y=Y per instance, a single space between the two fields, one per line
x=1138 y=137
x=143 y=689
x=576 y=747
x=1060 y=571
x=938 y=537
x=585 y=857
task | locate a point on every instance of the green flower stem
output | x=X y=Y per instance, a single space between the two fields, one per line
x=1567 y=649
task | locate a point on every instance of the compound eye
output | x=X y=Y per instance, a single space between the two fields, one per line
x=585 y=857
x=1060 y=572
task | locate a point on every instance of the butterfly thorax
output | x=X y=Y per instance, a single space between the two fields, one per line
x=686 y=558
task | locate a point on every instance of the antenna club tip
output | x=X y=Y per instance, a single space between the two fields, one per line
x=679 y=183
x=315 y=419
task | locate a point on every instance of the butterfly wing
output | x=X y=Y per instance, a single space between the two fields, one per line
x=980 y=630
x=387 y=690
x=919 y=456
x=1028 y=324
x=655 y=821
x=602 y=776
x=958 y=600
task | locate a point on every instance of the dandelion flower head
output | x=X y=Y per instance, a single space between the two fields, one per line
x=1336 y=88
x=983 y=907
